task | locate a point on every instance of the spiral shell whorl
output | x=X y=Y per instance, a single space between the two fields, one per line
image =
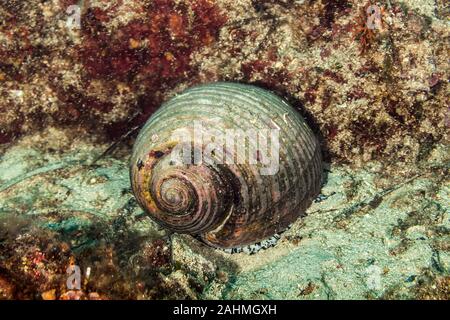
x=183 y=199
x=229 y=205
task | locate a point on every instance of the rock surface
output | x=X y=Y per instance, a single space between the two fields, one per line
x=370 y=235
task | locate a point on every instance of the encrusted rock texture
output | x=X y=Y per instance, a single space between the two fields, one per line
x=377 y=98
x=368 y=236
x=371 y=93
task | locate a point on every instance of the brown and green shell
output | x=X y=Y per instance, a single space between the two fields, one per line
x=227 y=203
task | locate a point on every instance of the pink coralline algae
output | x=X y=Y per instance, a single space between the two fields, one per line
x=153 y=52
x=156 y=49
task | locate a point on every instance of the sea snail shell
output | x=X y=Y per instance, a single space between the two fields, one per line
x=226 y=202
